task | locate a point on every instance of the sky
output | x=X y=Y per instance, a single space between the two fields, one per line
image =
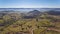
x=29 y=3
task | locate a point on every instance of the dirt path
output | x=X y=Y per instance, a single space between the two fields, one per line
x=54 y=29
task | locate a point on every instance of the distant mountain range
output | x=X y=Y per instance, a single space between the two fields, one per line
x=32 y=11
x=28 y=9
